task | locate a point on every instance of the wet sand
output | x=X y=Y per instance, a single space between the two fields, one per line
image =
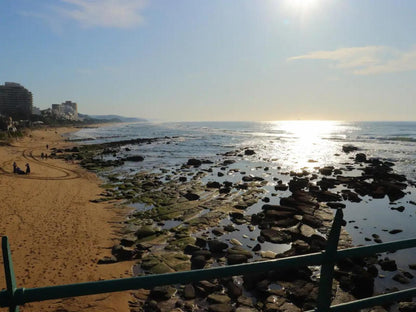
x=56 y=234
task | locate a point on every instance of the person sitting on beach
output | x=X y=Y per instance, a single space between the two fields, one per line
x=19 y=171
x=27 y=169
x=41 y=155
x=14 y=167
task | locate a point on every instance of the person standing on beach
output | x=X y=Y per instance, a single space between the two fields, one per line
x=14 y=167
x=27 y=169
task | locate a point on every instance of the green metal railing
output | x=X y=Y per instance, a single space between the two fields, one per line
x=13 y=297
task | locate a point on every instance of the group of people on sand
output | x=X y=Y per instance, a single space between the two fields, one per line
x=17 y=170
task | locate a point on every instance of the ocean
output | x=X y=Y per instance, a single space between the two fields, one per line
x=285 y=146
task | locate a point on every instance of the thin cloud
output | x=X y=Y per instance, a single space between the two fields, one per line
x=94 y=13
x=369 y=60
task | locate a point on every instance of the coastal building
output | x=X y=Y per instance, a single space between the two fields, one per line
x=15 y=101
x=67 y=110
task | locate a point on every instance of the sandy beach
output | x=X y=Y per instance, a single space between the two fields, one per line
x=56 y=234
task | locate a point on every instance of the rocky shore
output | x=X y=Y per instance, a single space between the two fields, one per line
x=205 y=213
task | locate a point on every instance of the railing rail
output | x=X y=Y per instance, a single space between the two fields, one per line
x=13 y=297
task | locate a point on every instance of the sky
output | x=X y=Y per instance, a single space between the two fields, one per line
x=228 y=60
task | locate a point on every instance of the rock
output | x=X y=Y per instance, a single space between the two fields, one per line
x=349 y=148
x=399 y=277
x=134 y=158
x=257 y=247
x=360 y=157
x=240 y=251
x=189 y=291
x=336 y=205
x=194 y=162
x=407 y=306
x=275 y=236
x=235 y=242
x=306 y=230
x=387 y=264
x=107 y=260
x=220 y=307
x=249 y=152
x=268 y=254
x=216 y=246
x=395 y=231
x=191 y=196
x=327 y=196
x=201 y=242
x=190 y=249
x=400 y=209
x=147 y=230
x=161 y=293
x=326 y=170
x=297 y=184
x=412 y=266
x=198 y=262
x=122 y=253
x=217 y=298
x=214 y=184
x=236 y=259
x=234 y=287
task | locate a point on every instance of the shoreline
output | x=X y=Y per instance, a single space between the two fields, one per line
x=55 y=233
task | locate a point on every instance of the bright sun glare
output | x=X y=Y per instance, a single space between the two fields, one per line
x=306 y=140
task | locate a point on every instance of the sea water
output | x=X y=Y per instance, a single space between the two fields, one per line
x=289 y=146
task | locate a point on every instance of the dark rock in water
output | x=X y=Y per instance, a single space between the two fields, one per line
x=220 y=307
x=249 y=152
x=276 y=236
x=302 y=291
x=214 y=184
x=194 y=162
x=327 y=196
x=400 y=209
x=251 y=178
x=190 y=249
x=399 y=277
x=236 y=258
x=220 y=174
x=107 y=260
x=281 y=187
x=228 y=162
x=412 y=266
x=336 y=205
x=351 y=196
x=161 y=293
x=363 y=283
x=191 y=196
x=217 y=246
x=257 y=247
x=225 y=190
x=395 y=231
x=201 y=242
x=206 y=253
x=387 y=264
x=349 y=148
x=134 y=158
x=122 y=253
x=360 y=157
x=198 y=262
x=189 y=292
x=298 y=184
x=182 y=179
x=326 y=170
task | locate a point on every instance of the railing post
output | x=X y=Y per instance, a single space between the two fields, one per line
x=327 y=267
x=9 y=274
